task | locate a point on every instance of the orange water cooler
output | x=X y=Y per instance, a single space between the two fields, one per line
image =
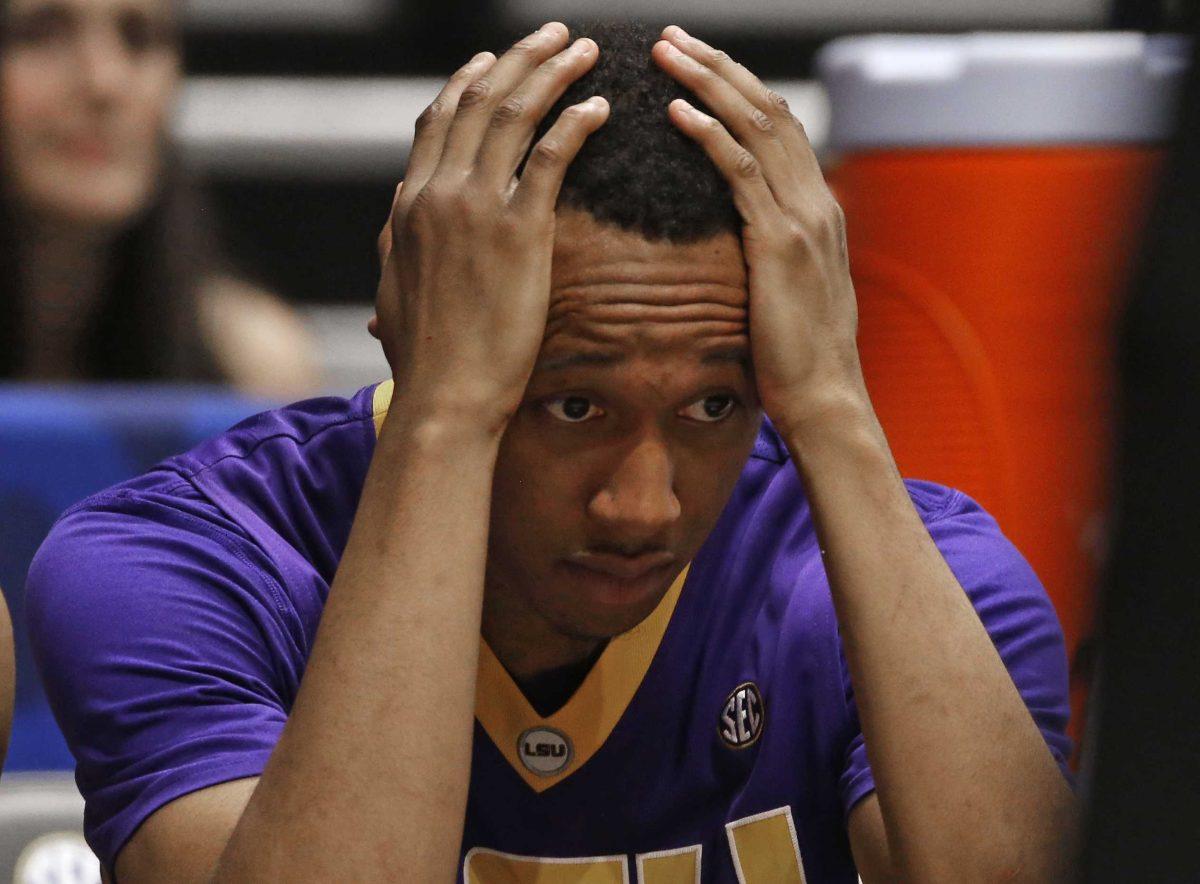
x=994 y=187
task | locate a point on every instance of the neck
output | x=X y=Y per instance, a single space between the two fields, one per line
x=523 y=641
x=63 y=270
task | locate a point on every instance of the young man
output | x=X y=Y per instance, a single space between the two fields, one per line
x=266 y=653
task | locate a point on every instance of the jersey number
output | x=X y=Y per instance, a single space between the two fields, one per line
x=764 y=849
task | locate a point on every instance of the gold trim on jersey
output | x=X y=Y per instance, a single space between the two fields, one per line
x=380 y=400
x=589 y=717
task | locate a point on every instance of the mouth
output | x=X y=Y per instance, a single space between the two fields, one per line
x=88 y=148
x=622 y=567
x=620 y=581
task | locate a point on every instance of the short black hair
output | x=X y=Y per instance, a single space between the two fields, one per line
x=638 y=171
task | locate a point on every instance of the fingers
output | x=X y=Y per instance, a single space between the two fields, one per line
x=480 y=99
x=516 y=118
x=740 y=77
x=543 y=174
x=758 y=116
x=435 y=120
x=751 y=126
x=751 y=194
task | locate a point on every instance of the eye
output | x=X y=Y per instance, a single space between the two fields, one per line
x=140 y=33
x=41 y=26
x=710 y=409
x=573 y=409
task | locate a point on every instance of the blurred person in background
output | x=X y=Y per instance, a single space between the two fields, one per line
x=107 y=269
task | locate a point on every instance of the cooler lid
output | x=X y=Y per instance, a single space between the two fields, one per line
x=1002 y=88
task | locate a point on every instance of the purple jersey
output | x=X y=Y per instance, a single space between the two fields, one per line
x=173 y=616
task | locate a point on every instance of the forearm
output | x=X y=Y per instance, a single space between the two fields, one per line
x=369 y=780
x=966 y=785
x=7 y=688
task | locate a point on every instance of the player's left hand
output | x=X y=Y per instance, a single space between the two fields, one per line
x=803 y=313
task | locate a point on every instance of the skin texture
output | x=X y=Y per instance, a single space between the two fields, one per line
x=967 y=789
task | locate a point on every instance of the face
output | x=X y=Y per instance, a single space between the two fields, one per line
x=637 y=421
x=86 y=87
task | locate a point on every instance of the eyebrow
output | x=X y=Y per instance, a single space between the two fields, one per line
x=739 y=355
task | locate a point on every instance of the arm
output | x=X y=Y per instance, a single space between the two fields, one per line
x=967 y=789
x=355 y=789
x=7 y=686
x=392 y=805
x=260 y=343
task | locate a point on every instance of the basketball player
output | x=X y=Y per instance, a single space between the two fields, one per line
x=714 y=647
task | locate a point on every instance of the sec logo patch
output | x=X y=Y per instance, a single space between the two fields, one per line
x=742 y=717
x=544 y=750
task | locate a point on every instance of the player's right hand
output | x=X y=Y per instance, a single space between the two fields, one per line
x=465 y=288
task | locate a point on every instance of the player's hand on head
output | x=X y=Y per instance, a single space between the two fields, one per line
x=465 y=286
x=803 y=313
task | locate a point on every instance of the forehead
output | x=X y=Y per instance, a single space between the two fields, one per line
x=614 y=292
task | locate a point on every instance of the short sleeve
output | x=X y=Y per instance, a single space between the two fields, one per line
x=1017 y=614
x=163 y=652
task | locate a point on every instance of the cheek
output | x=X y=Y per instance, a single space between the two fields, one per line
x=154 y=94
x=706 y=476
x=535 y=492
x=30 y=101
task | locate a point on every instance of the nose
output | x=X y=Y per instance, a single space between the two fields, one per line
x=105 y=63
x=637 y=502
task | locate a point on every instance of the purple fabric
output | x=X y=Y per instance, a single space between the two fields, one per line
x=173 y=616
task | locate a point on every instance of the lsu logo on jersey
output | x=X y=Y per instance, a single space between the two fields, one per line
x=742 y=717
x=544 y=750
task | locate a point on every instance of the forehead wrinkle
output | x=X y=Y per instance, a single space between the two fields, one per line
x=612 y=289
x=572 y=313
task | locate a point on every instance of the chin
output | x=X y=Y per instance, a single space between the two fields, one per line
x=106 y=201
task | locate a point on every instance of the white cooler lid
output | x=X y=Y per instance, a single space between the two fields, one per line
x=892 y=90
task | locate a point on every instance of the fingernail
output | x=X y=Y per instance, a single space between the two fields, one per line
x=686 y=105
x=680 y=32
x=672 y=49
x=582 y=45
x=597 y=101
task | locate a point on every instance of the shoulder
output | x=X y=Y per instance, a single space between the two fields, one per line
x=136 y=548
x=255 y=511
x=260 y=343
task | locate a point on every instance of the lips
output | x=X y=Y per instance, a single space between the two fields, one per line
x=620 y=566
x=88 y=146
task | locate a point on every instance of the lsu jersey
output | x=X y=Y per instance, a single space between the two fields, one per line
x=718 y=741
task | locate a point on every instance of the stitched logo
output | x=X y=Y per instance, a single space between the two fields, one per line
x=742 y=717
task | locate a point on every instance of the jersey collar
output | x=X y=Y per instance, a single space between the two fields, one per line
x=588 y=718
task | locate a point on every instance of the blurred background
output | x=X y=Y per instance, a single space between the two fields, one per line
x=996 y=187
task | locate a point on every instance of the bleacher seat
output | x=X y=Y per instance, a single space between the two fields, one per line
x=58 y=445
